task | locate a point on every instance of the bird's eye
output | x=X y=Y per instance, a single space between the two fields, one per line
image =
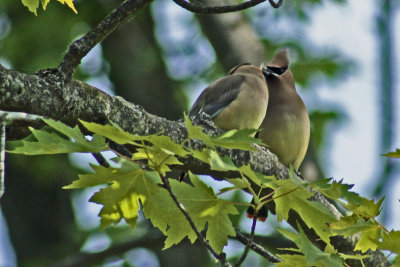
x=278 y=71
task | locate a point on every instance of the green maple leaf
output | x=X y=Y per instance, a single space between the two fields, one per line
x=368 y=239
x=33 y=5
x=113 y=132
x=350 y=225
x=219 y=163
x=257 y=178
x=116 y=134
x=130 y=184
x=203 y=155
x=337 y=191
x=164 y=214
x=313 y=255
x=126 y=186
x=70 y=4
x=233 y=139
x=195 y=132
x=292 y=260
x=289 y=196
x=390 y=241
x=237 y=139
x=158 y=159
x=364 y=207
x=369 y=231
x=205 y=209
x=57 y=138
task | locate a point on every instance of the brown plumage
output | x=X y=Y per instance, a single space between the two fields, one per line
x=286 y=126
x=236 y=101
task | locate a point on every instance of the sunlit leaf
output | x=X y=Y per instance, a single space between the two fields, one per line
x=288 y=196
x=390 y=241
x=206 y=209
x=113 y=132
x=237 y=139
x=219 y=163
x=33 y=5
x=64 y=140
x=313 y=255
x=195 y=132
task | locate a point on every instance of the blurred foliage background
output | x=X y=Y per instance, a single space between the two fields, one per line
x=161 y=60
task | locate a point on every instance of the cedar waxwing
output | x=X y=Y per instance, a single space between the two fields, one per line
x=286 y=126
x=236 y=101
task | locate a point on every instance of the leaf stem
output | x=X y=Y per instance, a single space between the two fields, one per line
x=101 y=159
x=286 y=193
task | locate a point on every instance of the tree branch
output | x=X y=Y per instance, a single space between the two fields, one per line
x=47 y=97
x=79 y=48
x=2 y=154
x=257 y=248
x=221 y=257
x=77 y=100
x=249 y=242
x=276 y=5
x=90 y=259
x=221 y=9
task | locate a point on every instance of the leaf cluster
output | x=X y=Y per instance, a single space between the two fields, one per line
x=33 y=5
x=143 y=182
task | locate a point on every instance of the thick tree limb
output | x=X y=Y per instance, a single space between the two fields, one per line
x=46 y=96
x=51 y=93
x=76 y=100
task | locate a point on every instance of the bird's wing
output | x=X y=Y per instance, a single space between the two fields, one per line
x=218 y=96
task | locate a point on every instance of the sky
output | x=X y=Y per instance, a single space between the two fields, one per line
x=353 y=152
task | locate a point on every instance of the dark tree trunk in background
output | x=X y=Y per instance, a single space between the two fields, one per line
x=138 y=70
x=38 y=212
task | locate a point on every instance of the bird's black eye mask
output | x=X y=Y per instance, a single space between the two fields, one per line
x=268 y=70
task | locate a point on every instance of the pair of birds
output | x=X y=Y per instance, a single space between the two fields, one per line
x=261 y=97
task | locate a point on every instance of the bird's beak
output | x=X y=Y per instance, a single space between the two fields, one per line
x=268 y=72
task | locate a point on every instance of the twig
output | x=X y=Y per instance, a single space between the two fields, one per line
x=101 y=159
x=218 y=9
x=257 y=248
x=14 y=116
x=2 y=154
x=276 y=5
x=247 y=248
x=221 y=257
x=79 y=48
x=4 y=117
